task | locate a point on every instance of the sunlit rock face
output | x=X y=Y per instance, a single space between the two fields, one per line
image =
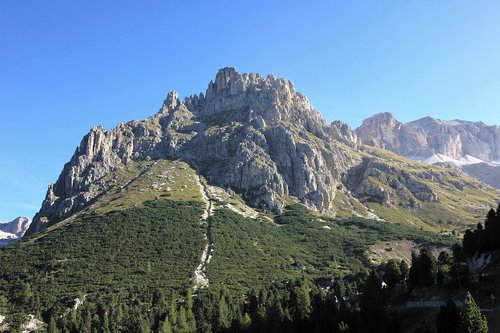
x=253 y=134
x=13 y=231
x=474 y=146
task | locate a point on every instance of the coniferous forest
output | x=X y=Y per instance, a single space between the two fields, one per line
x=117 y=277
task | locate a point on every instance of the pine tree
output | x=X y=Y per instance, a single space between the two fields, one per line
x=427 y=267
x=3 y=305
x=373 y=313
x=448 y=318
x=459 y=270
x=223 y=317
x=302 y=300
x=52 y=328
x=246 y=322
x=403 y=267
x=469 y=243
x=165 y=327
x=182 y=324
x=172 y=315
x=471 y=319
x=413 y=274
x=392 y=273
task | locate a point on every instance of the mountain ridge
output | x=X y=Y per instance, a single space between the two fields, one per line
x=261 y=139
x=267 y=157
x=428 y=136
x=466 y=144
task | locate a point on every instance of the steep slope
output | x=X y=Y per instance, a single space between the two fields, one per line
x=13 y=231
x=254 y=135
x=120 y=249
x=402 y=190
x=486 y=172
x=437 y=141
x=250 y=135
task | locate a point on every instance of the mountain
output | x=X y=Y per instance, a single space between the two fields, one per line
x=254 y=135
x=235 y=196
x=261 y=139
x=462 y=143
x=13 y=231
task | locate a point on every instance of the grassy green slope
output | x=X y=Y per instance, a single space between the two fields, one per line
x=138 y=249
x=254 y=253
x=158 y=246
x=457 y=208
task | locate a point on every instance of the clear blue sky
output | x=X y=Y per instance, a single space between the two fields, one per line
x=68 y=65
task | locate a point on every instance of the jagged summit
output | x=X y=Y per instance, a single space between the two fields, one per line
x=259 y=138
x=254 y=135
x=272 y=100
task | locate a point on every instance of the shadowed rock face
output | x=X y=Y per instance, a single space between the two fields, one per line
x=255 y=135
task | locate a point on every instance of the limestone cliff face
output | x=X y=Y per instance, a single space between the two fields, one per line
x=255 y=135
x=422 y=138
x=462 y=143
x=14 y=230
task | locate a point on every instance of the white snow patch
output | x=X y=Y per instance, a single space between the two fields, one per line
x=441 y=158
x=7 y=235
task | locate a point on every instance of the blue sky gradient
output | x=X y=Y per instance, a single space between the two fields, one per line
x=66 y=66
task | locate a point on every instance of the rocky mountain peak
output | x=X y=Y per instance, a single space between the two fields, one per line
x=427 y=136
x=257 y=136
x=271 y=99
x=172 y=100
x=380 y=130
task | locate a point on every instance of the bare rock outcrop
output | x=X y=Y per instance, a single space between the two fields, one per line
x=255 y=135
x=376 y=181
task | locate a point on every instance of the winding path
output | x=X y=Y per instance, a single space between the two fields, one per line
x=200 y=277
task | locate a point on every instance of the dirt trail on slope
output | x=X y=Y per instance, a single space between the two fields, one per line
x=200 y=277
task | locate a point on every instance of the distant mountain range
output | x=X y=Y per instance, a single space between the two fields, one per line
x=472 y=146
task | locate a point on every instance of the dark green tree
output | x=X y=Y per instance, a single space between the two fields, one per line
x=223 y=314
x=471 y=319
x=404 y=269
x=469 y=243
x=393 y=273
x=459 y=272
x=52 y=327
x=374 y=316
x=414 y=274
x=427 y=267
x=165 y=326
x=302 y=300
x=448 y=318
